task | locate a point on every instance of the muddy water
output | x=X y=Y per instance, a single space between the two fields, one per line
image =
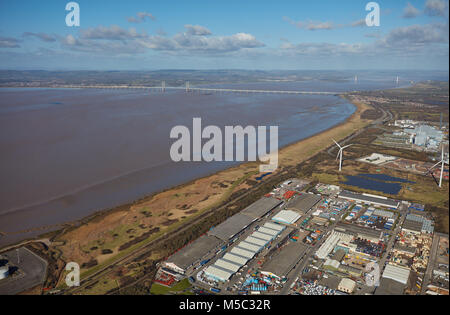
x=68 y=153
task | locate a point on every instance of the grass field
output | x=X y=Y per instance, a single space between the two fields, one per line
x=181 y=287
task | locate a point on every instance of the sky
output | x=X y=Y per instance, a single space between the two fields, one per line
x=232 y=34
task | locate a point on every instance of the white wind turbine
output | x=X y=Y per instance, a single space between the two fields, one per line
x=340 y=153
x=442 y=162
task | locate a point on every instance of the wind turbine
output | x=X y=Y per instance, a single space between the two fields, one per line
x=339 y=155
x=442 y=162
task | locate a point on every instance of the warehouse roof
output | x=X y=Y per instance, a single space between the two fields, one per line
x=412 y=225
x=218 y=273
x=268 y=231
x=360 y=230
x=327 y=247
x=231 y=226
x=347 y=284
x=250 y=247
x=304 y=202
x=261 y=207
x=242 y=252
x=239 y=260
x=274 y=226
x=227 y=265
x=284 y=260
x=287 y=216
x=256 y=241
x=369 y=199
x=390 y=287
x=383 y=213
x=397 y=273
x=193 y=252
x=263 y=236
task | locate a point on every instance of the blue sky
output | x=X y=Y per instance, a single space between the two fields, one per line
x=210 y=34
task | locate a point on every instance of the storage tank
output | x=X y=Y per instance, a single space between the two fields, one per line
x=4 y=272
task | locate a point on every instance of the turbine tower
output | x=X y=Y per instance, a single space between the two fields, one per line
x=442 y=163
x=340 y=153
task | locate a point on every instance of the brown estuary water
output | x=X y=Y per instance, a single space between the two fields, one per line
x=66 y=154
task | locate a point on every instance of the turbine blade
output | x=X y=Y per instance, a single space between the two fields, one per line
x=337 y=143
x=435 y=165
x=347 y=146
x=437 y=183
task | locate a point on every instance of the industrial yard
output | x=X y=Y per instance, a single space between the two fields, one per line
x=299 y=242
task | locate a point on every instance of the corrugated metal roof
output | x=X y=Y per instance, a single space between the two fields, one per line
x=227 y=265
x=256 y=241
x=242 y=252
x=268 y=231
x=262 y=236
x=235 y=258
x=396 y=273
x=250 y=247
x=287 y=216
x=273 y=226
x=218 y=273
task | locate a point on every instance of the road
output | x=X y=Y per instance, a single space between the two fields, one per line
x=196 y=89
x=431 y=262
x=32 y=270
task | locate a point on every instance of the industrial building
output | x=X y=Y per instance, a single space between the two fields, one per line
x=396 y=273
x=361 y=232
x=193 y=253
x=383 y=213
x=347 y=285
x=417 y=224
x=390 y=287
x=370 y=199
x=285 y=260
x=331 y=242
x=220 y=235
x=303 y=202
x=242 y=252
x=218 y=274
x=287 y=217
x=239 y=260
x=239 y=222
x=261 y=207
x=231 y=227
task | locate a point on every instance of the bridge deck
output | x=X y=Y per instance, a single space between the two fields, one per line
x=191 y=89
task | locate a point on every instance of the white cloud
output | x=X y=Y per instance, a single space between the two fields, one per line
x=410 y=11
x=197 y=30
x=141 y=17
x=436 y=8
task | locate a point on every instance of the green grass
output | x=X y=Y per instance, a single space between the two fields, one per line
x=158 y=289
x=174 y=226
